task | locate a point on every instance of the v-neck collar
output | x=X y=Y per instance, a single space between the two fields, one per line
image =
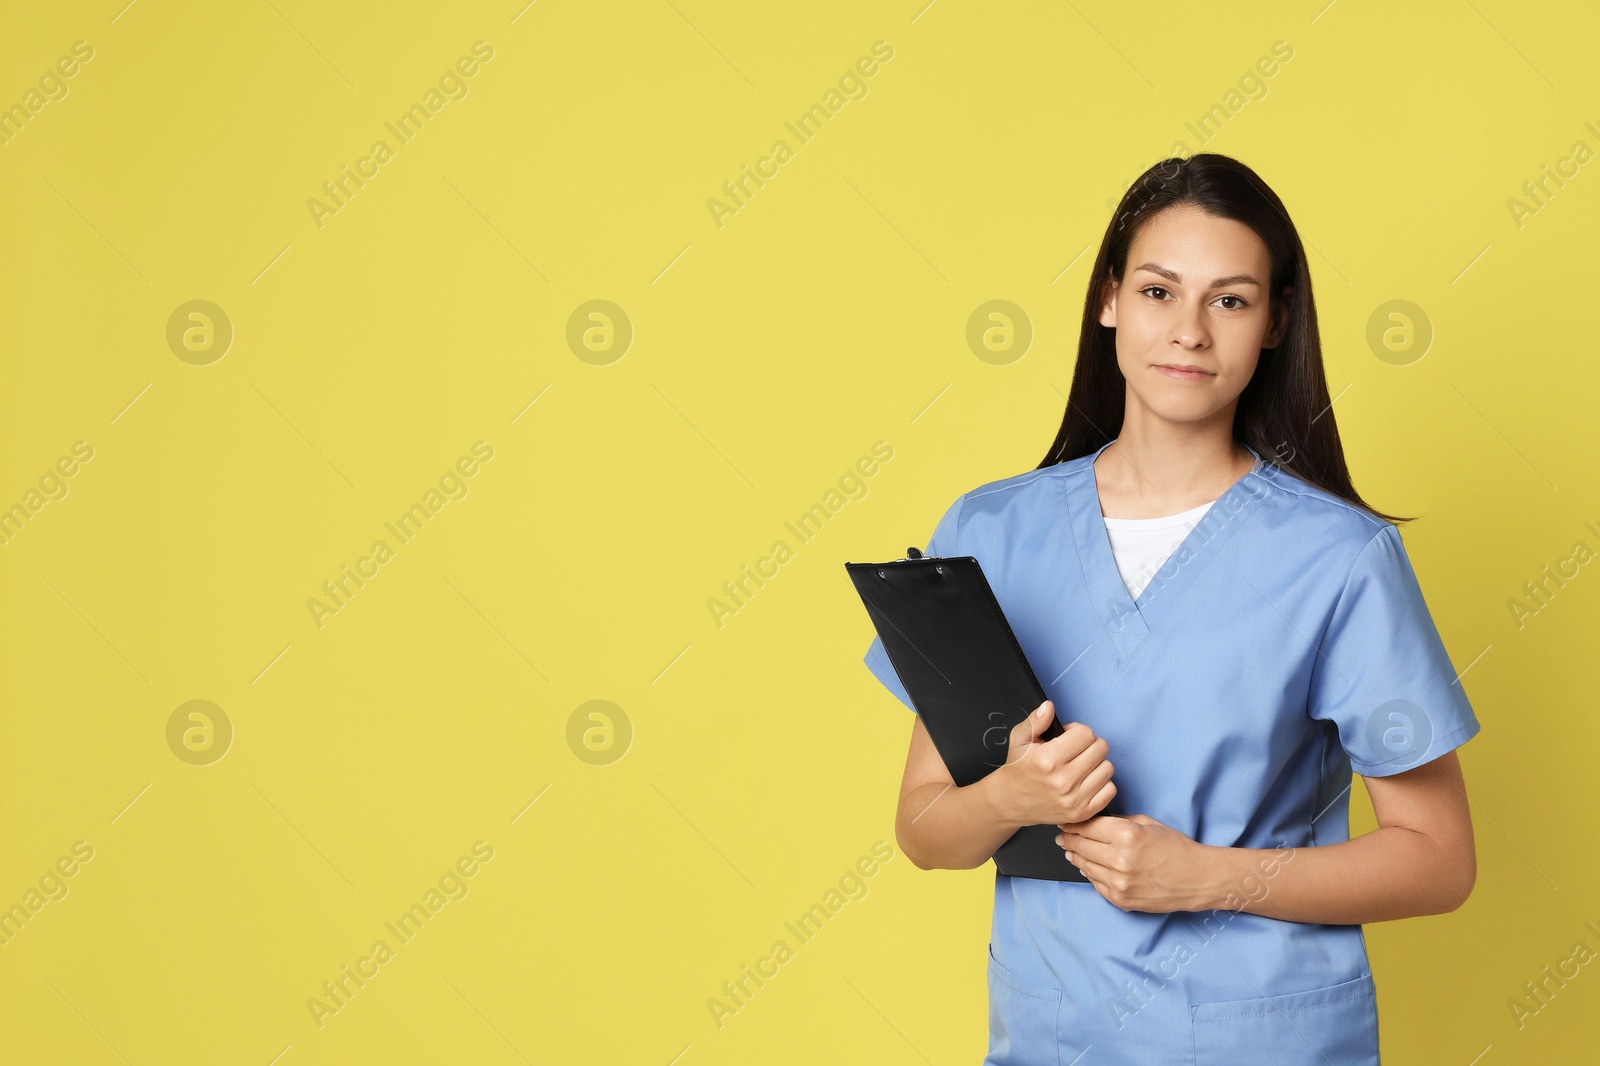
x=1128 y=621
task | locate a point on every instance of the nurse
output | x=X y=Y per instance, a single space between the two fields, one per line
x=1228 y=632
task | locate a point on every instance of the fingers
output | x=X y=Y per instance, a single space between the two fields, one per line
x=1084 y=847
x=1081 y=789
x=1097 y=827
x=1075 y=740
x=1102 y=798
x=1099 y=859
x=1097 y=874
x=1038 y=720
x=1083 y=775
x=1081 y=807
x=1093 y=752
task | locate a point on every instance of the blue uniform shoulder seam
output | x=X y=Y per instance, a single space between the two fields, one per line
x=1294 y=484
x=1015 y=481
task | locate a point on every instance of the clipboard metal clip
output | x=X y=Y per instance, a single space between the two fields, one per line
x=911 y=555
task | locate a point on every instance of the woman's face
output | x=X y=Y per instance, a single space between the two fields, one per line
x=1194 y=295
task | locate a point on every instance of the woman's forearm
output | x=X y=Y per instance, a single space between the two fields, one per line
x=1391 y=872
x=945 y=827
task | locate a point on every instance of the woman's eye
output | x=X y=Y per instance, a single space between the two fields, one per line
x=1157 y=292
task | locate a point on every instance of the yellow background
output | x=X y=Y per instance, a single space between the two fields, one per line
x=768 y=356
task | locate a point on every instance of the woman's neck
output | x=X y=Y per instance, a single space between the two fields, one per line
x=1141 y=475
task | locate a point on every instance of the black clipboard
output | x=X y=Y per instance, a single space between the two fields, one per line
x=955 y=653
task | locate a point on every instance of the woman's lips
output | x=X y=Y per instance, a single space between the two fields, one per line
x=1186 y=375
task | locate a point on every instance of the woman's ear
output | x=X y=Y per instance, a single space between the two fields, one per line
x=1108 y=305
x=1280 y=318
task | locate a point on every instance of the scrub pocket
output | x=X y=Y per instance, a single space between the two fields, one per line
x=1332 y=1026
x=1022 y=1019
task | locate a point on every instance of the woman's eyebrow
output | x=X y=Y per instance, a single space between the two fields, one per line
x=1174 y=276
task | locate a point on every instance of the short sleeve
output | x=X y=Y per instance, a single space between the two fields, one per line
x=942 y=542
x=1382 y=675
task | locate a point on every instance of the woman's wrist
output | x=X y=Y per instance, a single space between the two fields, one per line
x=1221 y=875
x=997 y=800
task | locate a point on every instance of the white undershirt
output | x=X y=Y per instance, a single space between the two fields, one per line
x=1141 y=545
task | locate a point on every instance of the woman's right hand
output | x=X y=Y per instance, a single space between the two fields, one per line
x=1065 y=779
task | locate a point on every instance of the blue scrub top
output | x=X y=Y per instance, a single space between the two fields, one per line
x=1284 y=643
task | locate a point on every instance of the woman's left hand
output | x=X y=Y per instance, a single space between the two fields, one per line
x=1139 y=864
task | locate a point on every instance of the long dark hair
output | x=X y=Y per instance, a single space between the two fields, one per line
x=1284 y=413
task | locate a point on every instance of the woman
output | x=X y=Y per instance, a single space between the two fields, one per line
x=1223 y=674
